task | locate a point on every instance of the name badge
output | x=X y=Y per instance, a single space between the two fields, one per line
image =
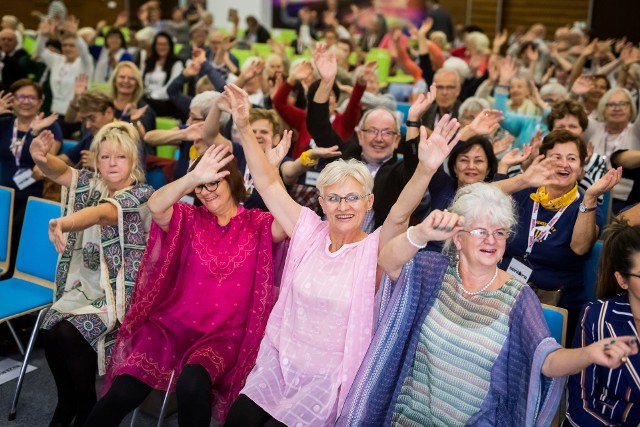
x=23 y=178
x=310 y=178
x=520 y=271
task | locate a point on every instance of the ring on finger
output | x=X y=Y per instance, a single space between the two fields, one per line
x=624 y=359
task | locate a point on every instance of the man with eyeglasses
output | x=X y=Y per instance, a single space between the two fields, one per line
x=448 y=84
x=13 y=62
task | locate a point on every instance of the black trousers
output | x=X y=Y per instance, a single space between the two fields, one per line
x=246 y=413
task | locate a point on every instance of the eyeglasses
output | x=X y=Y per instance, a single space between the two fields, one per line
x=351 y=198
x=483 y=233
x=29 y=98
x=210 y=186
x=443 y=88
x=621 y=104
x=384 y=133
x=631 y=274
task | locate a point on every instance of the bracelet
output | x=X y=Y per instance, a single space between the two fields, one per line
x=306 y=159
x=412 y=124
x=414 y=244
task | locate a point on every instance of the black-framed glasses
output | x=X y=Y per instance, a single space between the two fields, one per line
x=384 y=133
x=210 y=186
x=483 y=233
x=350 y=198
x=631 y=274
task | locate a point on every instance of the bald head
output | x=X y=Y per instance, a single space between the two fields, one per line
x=8 y=40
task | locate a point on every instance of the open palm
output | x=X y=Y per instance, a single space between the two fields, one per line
x=433 y=151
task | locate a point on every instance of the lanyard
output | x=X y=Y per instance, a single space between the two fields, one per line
x=532 y=228
x=17 y=144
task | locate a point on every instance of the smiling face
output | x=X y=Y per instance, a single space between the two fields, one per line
x=69 y=48
x=114 y=165
x=219 y=200
x=472 y=166
x=125 y=82
x=618 y=109
x=376 y=148
x=344 y=217
x=518 y=90
x=163 y=45
x=569 y=123
x=567 y=166
x=477 y=251
x=27 y=102
x=113 y=42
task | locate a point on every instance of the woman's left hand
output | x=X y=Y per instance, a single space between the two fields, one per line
x=606 y=183
x=612 y=352
x=208 y=168
x=56 y=235
x=486 y=122
x=6 y=102
x=433 y=151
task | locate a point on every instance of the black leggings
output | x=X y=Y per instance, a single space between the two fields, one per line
x=73 y=363
x=246 y=413
x=193 y=390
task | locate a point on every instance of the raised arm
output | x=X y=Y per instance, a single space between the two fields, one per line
x=211 y=129
x=103 y=214
x=265 y=178
x=52 y=167
x=539 y=174
x=173 y=136
x=207 y=170
x=432 y=152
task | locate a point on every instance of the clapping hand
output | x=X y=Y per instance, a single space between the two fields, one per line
x=208 y=168
x=606 y=183
x=433 y=151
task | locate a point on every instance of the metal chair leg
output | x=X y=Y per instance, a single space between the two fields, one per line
x=163 y=410
x=25 y=362
x=15 y=337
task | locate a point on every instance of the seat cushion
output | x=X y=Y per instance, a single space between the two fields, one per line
x=18 y=296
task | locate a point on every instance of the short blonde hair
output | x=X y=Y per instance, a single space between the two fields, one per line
x=339 y=170
x=136 y=75
x=127 y=137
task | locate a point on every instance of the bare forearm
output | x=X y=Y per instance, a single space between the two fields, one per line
x=629 y=159
x=565 y=361
x=103 y=214
x=292 y=170
x=55 y=169
x=511 y=185
x=585 y=230
x=324 y=90
x=163 y=137
x=162 y=201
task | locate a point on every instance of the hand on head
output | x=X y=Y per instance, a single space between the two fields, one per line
x=208 y=168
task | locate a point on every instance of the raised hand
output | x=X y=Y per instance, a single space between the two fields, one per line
x=582 y=85
x=486 y=122
x=276 y=152
x=208 y=168
x=6 y=102
x=426 y=26
x=499 y=40
x=239 y=102
x=421 y=104
x=80 y=84
x=137 y=113
x=515 y=156
x=325 y=62
x=40 y=122
x=612 y=352
x=56 y=235
x=540 y=173
x=589 y=49
x=71 y=25
x=502 y=144
x=532 y=53
x=41 y=145
x=606 y=183
x=194 y=131
x=198 y=55
x=367 y=72
x=437 y=226
x=46 y=28
x=302 y=71
x=191 y=70
x=324 y=153
x=434 y=150
x=507 y=70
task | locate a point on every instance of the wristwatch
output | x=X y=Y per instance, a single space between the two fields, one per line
x=583 y=208
x=412 y=124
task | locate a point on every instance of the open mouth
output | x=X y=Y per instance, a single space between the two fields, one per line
x=344 y=217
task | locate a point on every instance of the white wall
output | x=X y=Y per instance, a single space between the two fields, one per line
x=261 y=9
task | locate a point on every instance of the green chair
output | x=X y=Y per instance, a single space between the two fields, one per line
x=383 y=59
x=29 y=45
x=177 y=48
x=103 y=86
x=262 y=50
x=284 y=35
x=401 y=77
x=99 y=41
x=242 y=55
x=166 y=123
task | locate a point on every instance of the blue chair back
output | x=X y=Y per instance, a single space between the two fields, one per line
x=556 y=318
x=67 y=145
x=6 y=219
x=591 y=271
x=36 y=255
x=605 y=207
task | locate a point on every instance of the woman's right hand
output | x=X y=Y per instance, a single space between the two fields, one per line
x=325 y=62
x=6 y=102
x=208 y=168
x=40 y=146
x=515 y=157
x=56 y=235
x=438 y=226
x=433 y=151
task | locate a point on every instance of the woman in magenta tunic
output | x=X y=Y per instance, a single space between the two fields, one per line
x=202 y=300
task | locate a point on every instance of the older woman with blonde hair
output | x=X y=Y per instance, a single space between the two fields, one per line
x=127 y=88
x=101 y=238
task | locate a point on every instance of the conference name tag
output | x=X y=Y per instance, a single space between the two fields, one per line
x=23 y=178
x=520 y=271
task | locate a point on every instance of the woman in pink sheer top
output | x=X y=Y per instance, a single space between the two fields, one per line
x=323 y=321
x=202 y=299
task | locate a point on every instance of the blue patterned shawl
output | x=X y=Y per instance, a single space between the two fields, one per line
x=519 y=394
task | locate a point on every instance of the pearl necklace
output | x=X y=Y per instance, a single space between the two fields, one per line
x=493 y=279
